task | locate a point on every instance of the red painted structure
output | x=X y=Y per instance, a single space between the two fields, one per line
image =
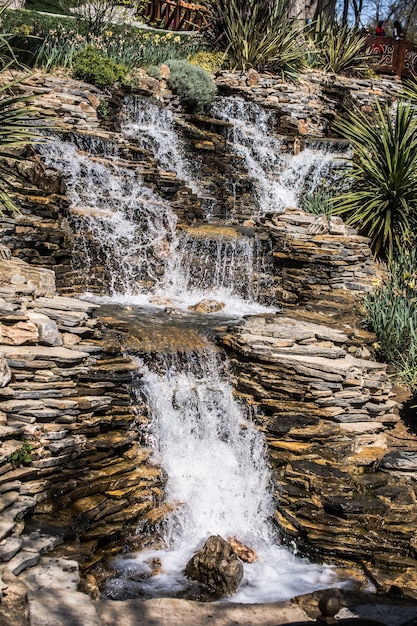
x=390 y=56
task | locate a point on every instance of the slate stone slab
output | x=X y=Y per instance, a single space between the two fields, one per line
x=53 y=607
x=402 y=460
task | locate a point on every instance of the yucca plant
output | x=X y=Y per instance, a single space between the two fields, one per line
x=410 y=90
x=318 y=202
x=17 y=130
x=257 y=34
x=335 y=48
x=382 y=199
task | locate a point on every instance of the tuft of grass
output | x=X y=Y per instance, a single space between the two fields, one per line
x=335 y=48
x=391 y=312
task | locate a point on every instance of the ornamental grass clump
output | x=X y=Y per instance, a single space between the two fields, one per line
x=257 y=34
x=97 y=68
x=335 y=48
x=193 y=85
x=381 y=200
x=391 y=312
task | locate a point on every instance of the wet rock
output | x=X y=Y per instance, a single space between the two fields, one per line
x=402 y=460
x=207 y=306
x=216 y=567
x=245 y=554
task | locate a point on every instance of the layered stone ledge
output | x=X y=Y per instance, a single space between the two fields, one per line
x=73 y=475
x=331 y=426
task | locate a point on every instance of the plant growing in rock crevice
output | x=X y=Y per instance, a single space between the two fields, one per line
x=193 y=85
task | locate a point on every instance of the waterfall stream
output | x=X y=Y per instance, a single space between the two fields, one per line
x=279 y=178
x=131 y=231
x=218 y=483
x=131 y=250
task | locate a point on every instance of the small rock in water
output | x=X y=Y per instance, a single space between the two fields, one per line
x=245 y=554
x=207 y=306
x=216 y=567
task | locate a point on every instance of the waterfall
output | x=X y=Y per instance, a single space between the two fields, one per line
x=130 y=231
x=218 y=483
x=152 y=127
x=279 y=178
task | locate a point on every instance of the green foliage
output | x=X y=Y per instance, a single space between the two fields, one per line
x=193 y=85
x=257 y=34
x=318 y=202
x=51 y=41
x=22 y=456
x=410 y=90
x=334 y=48
x=209 y=61
x=96 y=68
x=382 y=199
x=391 y=312
x=102 y=109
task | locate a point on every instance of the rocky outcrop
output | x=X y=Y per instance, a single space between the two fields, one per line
x=331 y=426
x=323 y=271
x=308 y=107
x=71 y=467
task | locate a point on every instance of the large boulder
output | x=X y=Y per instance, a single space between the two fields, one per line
x=216 y=567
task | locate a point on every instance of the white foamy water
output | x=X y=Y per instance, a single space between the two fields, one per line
x=152 y=126
x=219 y=482
x=279 y=178
x=128 y=229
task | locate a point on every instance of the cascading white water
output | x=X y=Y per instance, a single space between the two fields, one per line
x=152 y=126
x=133 y=228
x=214 y=267
x=214 y=458
x=129 y=229
x=279 y=178
x=218 y=482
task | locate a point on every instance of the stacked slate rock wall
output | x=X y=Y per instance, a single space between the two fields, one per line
x=71 y=466
x=344 y=465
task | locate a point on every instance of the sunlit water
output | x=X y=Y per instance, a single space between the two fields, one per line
x=218 y=477
x=218 y=482
x=280 y=178
x=128 y=229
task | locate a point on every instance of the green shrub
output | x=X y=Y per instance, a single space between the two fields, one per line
x=391 y=312
x=22 y=456
x=193 y=85
x=336 y=48
x=382 y=198
x=96 y=68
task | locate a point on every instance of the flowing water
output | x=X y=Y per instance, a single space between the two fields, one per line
x=280 y=179
x=152 y=126
x=218 y=483
x=214 y=457
x=129 y=230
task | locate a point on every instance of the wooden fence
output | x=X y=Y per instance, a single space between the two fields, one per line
x=393 y=57
x=176 y=14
